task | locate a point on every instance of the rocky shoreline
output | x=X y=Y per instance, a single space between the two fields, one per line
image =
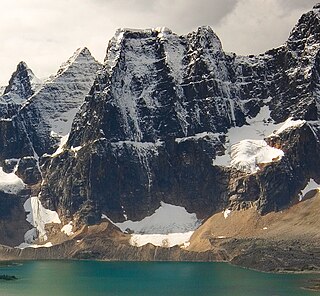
x=280 y=256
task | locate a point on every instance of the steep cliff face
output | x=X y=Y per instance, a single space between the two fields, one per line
x=163 y=113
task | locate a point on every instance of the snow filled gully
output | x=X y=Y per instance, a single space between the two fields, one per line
x=38 y=217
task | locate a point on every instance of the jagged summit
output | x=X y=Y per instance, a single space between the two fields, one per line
x=47 y=114
x=22 y=85
x=150 y=73
x=79 y=56
x=207 y=38
x=56 y=103
x=305 y=35
x=317 y=6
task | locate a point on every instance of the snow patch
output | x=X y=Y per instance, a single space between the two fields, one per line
x=39 y=216
x=226 y=213
x=258 y=128
x=62 y=124
x=185 y=245
x=312 y=185
x=247 y=155
x=166 y=219
x=288 y=124
x=10 y=183
x=241 y=149
x=161 y=240
x=67 y=229
x=169 y=226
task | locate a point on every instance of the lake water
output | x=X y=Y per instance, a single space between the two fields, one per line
x=92 y=278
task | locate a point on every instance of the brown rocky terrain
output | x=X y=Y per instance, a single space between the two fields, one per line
x=284 y=241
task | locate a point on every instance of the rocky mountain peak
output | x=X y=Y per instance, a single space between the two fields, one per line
x=22 y=85
x=316 y=7
x=206 y=38
x=81 y=55
x=47 y=114
x=57 y=102
x=305 y=36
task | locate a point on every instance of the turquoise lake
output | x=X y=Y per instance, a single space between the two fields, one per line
x=91 y=278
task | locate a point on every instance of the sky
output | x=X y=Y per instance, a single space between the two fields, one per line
x=45 y=33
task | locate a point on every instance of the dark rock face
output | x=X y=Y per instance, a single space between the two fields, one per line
x=13 y=225
x=125 y=178
x=28 y=170
x=157 y=115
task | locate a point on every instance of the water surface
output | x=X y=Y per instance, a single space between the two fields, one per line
x=92 y=278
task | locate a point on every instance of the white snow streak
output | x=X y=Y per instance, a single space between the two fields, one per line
x=290 y=123
x=226 y=213
x=63 y=141
x=39 y=216
x=312 y=185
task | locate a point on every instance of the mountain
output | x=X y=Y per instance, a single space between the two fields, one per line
x=35 y=116
x=22 y=85
x=46 y=114
x=161 y=118
x=169 y=133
